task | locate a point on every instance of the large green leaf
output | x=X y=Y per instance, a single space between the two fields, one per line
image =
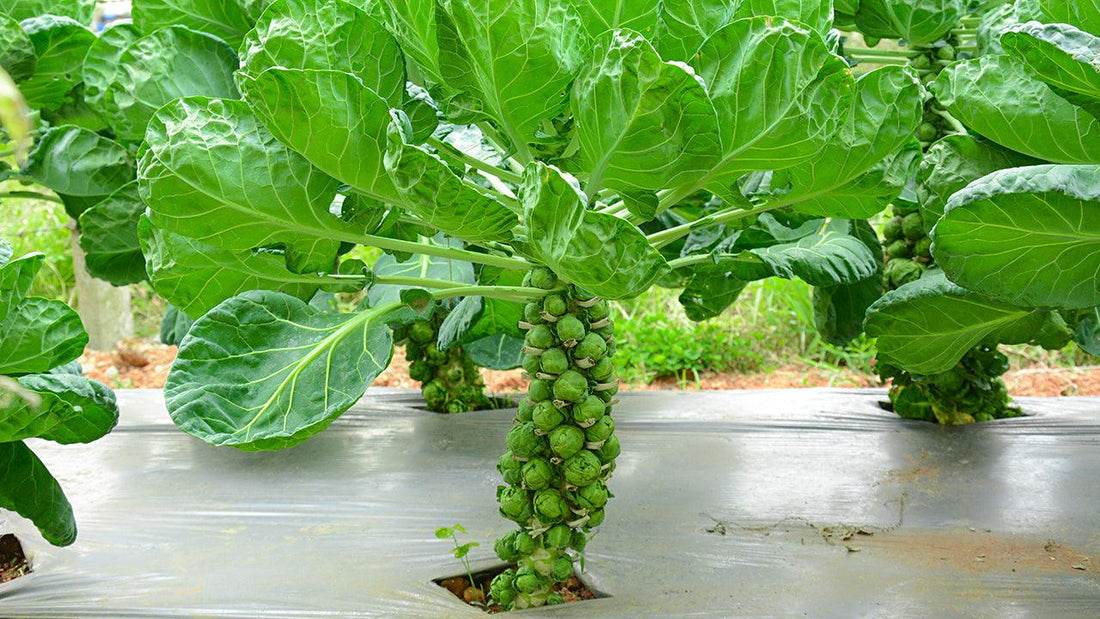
x=16 y=50
x=228 y=19
x=601 y=16
x=40 y=334
x=441 y=199
x=78 y=162
x=920 y=22
x=601 y=253
x=265 y=370
x=1087 y=335
x=213 y=173
x=28 y=489
x=419 y=267
x=102 y=64
x=108 y=236
x=412 y=22
x=327 y=34
x=1084 y=14
x=927 y=326
x=60 y=44
x=196 y=277
x=685 y=24
x=642 y=123
x=839 y=310
x=886 y=111
x=1064 y=57
x=997 y=97
x=1027 y=236
x=16 y=279
x=512 y=60
x=496 y=352
x=79 y=10
x=710 y=289
x=72 y=409
x=332 y=119
x=166 y=64
x=174 y=326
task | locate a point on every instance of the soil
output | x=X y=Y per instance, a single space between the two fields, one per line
x=143 y=364
x=13 y=563
x=572 y=590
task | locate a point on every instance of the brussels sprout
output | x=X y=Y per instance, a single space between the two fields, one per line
x=591 y=347
x=892 y=230
x=927 y=132
x=532 y=364
x=554 y=599
x=583 y=468
x=607 y=388
x=899 y=249
x=540 y=337
x=505 y=547
x=547 y=416
x=562 y=569
x=510 y=468
x=554 y=304
x=901 y=271
x=921 y=62
x=910 y=403
x=610 y=450
x=571 y=386
x=528 y=580
x=595 y=518
x=544 y=278
x=588 y=410
x=550 y=506
x=606 y=396
x=592 y=496
x=421 y=332
x=420 y=371
x=539 y=390
x=600 y=430
x=558 y=537
x=598 y=311
x=526 y=409
x=531 y=313
x=945 y=52
x=435 y=356
x=537 y=474
x=606 y=330
x=913 y=226
x=524 y=543
x=502 y=588
x=603 y=369
x=580 y=540
x=435 y=394
x=923 y=248
x=566 y=440
x=523 y=441
x=515 y=503
x=570 y=328
x=554 y=361
x=984 y=417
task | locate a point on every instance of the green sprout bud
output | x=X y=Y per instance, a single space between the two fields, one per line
x=899 y=249
x=592 y=496
x=571 y=386
x=547 y=416
x=421 y=332
x=544 y=278
x=913 y=226
x=524 y=543
x=570 y=328
x=537 y=474
x=591 y=347
x=554 y=361
x=901 y=271
x=598 y=311
x=505 y=547
x=539 y=390
x=526 y=409
x=927 y=132
x=435 y=356
x=540 y=337
x=435 y=394
x=420 y=371
x=523 y=441
x=595 y=518
x=580 y=540
x=923 y=248
x=588 y=411
x=550 y=506
x=601 y=430
x=921 y=62
x=945 y=52
x=566 y=440
x=603 y=369
x=892 y=230
x=531 y=313
x=532 y=364
x=562 y=569
x=554 y=304
x=510 y=468
x=528 y=580
x=584 y=468
x=558 y=537
x=607 y=330
x=502 y=588
x=610 y=450
x=554 y=599
x=606 y=396
x=515 y=503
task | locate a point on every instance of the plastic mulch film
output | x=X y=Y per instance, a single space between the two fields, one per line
x=768 y=503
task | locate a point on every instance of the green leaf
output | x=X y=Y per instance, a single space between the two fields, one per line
x=1064 y=57
x=174 y=326
x=213 y=173
x=16 y=50
x=1027 y=236
x=419 y=266
x=642 y=123
x=998 y=98
x=196 y=277
x=412 y=22
x=475 y=318
x=227 y=19
x=40 y=334
x=102 y=64
x=920 y=22
x=60 y=45
x=685 y=24
x=164 y=65
x=927 y=326
x=327 y=35
x=332 y=119
x=73 y=409
x=1084 y=14
x=79 y=10
x=711 y=289
x=839 y=310
x=1087 y=335
x=601 y=253
x=601 y=16
x=266 y=371
x=496 y=352
x=16 y=279
x=6 y=252
x=28 y=489
x=441 y=199
x=512 y=60
x=78 y=162
x=444 y=532
x=108 y=236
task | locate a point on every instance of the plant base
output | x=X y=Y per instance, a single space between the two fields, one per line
x=13 y=563
x=572 y=590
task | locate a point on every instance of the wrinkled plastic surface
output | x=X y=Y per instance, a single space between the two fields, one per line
x=994 y=520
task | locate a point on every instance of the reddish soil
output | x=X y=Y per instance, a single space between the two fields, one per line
x=572 y=590
x=13 y=563
x=140 y=364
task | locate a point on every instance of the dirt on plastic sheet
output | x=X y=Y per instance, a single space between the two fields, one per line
x=571 y=590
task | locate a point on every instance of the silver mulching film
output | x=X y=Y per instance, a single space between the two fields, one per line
x=771 y=503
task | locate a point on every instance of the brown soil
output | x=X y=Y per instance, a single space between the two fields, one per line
x=572 y=590
x=13 y=563
x=140 y=364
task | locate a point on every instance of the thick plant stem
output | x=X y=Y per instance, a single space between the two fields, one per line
x=450 y=380
x=562 y=450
